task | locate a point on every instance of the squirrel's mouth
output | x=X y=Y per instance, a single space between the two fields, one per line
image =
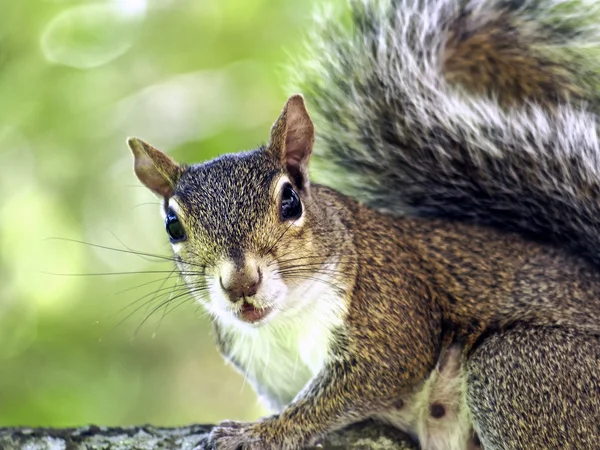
x=250 y=313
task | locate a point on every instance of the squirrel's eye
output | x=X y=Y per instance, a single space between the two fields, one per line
x=291 y=207
x=174 y=228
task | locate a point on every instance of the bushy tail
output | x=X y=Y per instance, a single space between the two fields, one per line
x=482 y=111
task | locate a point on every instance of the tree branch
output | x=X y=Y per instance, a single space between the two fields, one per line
x=367 y=435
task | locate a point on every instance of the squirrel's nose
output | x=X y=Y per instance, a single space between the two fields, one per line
x=241 y=284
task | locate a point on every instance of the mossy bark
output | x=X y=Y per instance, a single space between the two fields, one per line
x=367 y=435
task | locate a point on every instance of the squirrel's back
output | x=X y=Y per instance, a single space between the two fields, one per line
x=483 y=111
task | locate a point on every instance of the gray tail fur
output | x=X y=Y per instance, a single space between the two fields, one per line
x=482 y=111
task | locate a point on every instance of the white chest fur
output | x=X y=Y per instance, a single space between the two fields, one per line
x=281 y=357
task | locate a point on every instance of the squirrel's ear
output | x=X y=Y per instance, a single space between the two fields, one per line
x=156 y=170
x=292 y=138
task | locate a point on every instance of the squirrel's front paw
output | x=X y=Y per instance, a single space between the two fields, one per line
x=266 y=434
x=231 y=435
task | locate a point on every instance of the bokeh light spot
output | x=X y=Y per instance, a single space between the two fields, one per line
x=89 y=36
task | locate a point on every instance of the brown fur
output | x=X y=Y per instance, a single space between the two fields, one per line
x=418 y=282
x=500 y=60
x=557 y=372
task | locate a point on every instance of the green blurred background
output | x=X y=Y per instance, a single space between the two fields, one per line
x=194 y=77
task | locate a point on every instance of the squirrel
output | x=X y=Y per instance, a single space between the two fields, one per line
x=445 y=277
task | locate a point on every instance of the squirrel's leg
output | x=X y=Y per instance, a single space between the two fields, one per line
x=346 y=391
x=536 y=388
x=356 y=383
x=384 y=351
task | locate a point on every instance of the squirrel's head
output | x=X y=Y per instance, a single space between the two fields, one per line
x=240 y=225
